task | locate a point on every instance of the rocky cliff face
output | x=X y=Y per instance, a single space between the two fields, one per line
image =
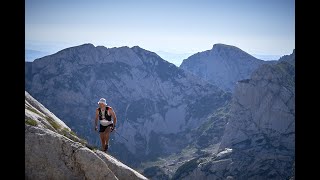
x=152 y=98
x=204 y=141
x=289 y=58
x=38 y=115
x=53 y=151
x=223 y=65
x=259 y=138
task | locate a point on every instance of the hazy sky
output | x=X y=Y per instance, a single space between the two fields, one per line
x=176 y=26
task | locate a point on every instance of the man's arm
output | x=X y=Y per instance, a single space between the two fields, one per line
x=113 y=114
x=96 y=120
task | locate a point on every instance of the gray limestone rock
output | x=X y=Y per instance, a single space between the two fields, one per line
x=259 y=138
x=49 y=155
x=52 y=151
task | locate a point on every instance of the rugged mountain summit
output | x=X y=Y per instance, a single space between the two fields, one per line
x=223 y=65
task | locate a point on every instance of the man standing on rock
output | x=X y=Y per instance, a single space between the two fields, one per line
x=104 y=114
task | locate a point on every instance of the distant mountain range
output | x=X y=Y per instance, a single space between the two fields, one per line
x=174 y=57
x=153 y=99
x=192 y=112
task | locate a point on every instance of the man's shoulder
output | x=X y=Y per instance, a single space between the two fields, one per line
x=109 y=107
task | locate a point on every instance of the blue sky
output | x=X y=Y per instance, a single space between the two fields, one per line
x=265 y=27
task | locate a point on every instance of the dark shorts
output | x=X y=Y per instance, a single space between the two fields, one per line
x=103 y=128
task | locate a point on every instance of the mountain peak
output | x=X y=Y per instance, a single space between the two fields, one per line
x=82 y=47
x=86 y=45
x=140 y=51
x=134 y=47
x=213 y=65
x=225 y=48
x=220 y=45
x=229 y=51
x=138 y=48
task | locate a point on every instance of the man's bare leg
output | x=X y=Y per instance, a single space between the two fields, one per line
x=107 y=135
x=103 y=140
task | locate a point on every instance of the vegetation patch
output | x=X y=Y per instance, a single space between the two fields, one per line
x=53 y=123
x=35 y=111
x=65 y=132
x=73 y=133
x=31 y=122
x=73 y=136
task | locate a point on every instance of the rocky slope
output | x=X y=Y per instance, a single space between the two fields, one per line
x=223 y=65
x=53 y=151
x=205 y=141
x=153 y=99
x=289 y=58
x=259 y=138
